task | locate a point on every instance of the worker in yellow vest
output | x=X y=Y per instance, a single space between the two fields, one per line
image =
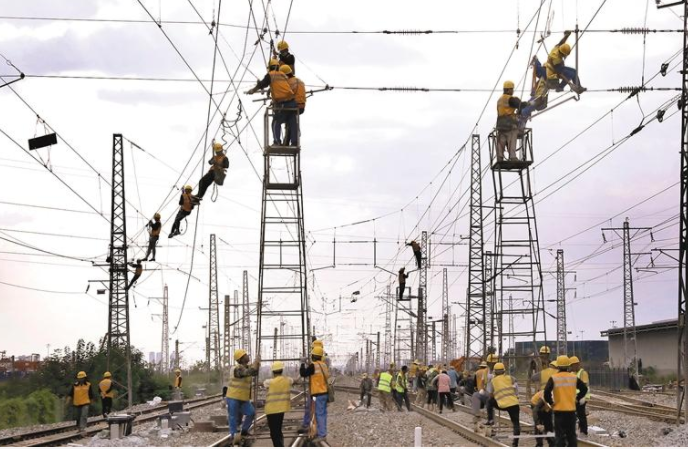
x=413 y=370
x=154 y=228
x=239 y=395
x=107 y=393
x=580 y=408
x=402 y=389
x=479 y=398
x=186 y=202
x=558 y=74
x=217 y=172
x=508 y=110
x=560 y=393
x=384 y=388
x=542 y=417
x=299 y=89
x=177 y=385
x=283 y=103
x=503 y=391
x=81 y=395
x=546 y=369
x=318 y=378
x=277 y=402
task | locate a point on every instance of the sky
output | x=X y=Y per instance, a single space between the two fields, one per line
x=397 y=161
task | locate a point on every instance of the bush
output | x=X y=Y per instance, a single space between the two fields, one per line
x=42 y=406
x=12 y=413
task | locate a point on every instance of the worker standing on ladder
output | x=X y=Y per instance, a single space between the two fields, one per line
x=218 y=170
x=503 y=391
x=138 y=271
x=299 y=89
x=187 y=202
x=508 y=108
x=558 y=74
x=283 y=102
x=580 y=408
x=402 y=283
x=239 y=395
x=416 y=252
x=154 y=228
x=560 y=393
x=285 y=58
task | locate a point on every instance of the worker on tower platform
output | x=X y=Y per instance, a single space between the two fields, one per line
x=285 y=58
x=154 y=228
x=366 y=388
x=177 y=385
x=299 y=89
x=416 y=252
x=239 y=395
x=443 y=382
x=384 y=388
x=402 y=389
x=580 y=408
x=542 y=418
x=138 y=271
x=187 y=202
x=508 y=109
x=318 y=375
x=283 y=102
x=479 y=398
x=503 y=391
x=558 y=74
x=218 y=170
x=560 y=393
x=277 y=402
x=402 y=282
x=107 y=393
x=81 y=394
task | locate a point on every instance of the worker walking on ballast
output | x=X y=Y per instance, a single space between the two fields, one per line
x=508 y=109
x=560 y=393
x=277 y=402
x=503 y=391
x=580 y=408
x=558 y=74
x=81 y=395
x=138 y=271
x=218 y=170
x=154 y=228
x=187 y=202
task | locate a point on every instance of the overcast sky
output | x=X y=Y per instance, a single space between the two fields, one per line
x=366 y=154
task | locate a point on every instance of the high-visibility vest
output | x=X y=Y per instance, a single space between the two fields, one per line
x=178 y=381
x=299 y=89
x=401 y=383
x=545 y=374
x=385 y=382
x=537 y=397
x=317 y=379
x=506 y=115
x=564 y=392
x=279 y=87
x=504 y=391
x=278 y=399
x=218 y=160
x=81 y=394
x=186 y=204
x=481 y=378
x=583 y=376
x=104 y=386
x=239 y=387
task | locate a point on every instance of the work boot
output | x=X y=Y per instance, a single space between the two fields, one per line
x=489 y=422
x=152 y=260
x=236 y=441
x=302 y=430
x=578 y=89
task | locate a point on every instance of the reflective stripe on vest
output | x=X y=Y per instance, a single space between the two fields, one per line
x=586 y=380
x=504 y=391
x=545 y=374
x=186 y=205
x=385 y=382
x=279 y=87
x=239 y=387
x=278 y=399
x=318 y=384
x=104 y=386
x=81 y=394
x=564 y=392
x=299 y=89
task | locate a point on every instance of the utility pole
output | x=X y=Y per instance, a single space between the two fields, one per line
x=377 y=351
x=177 y=362
x=236 y=329
x=274 y=345
x=118 y=341
x=388 y=325
x=561 y=304
x=213 y=308
x=445 y=315
x=226 y=335
x=246 y=318
x=165 y=338
x=490 y=305
x=421 y=325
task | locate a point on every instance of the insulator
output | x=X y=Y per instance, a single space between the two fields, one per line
x=407 y=32
x=660 y=115
x=405 y=89
x=664 y=69
x=634 y=30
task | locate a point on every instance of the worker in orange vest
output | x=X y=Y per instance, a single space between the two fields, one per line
x=187 y=202
x=154 y=228
x=218 y=170
x=560 y=393
x=318 y=377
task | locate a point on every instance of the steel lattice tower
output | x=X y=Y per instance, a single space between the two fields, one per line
x=165 y=361
x=445 y=316
x=388 y=326
x=421 y=314
x=213 y=308
x=561 y=304
x=476 y=345
x=226 y=335
x=236 y=324
x=118 y=307
x=282 y=276
x=245 y=316
x=490 y=306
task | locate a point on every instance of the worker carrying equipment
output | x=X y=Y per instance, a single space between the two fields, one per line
x=138 y=271
x=218 y=170
x=508 y=110
x=154 y=228
x=283 y=103
x=187 y=201
x=285 y=58
x=416 y=252
x=542 y=417
x=402 y=282
x=503 y=391
x=558 y=74
x=560 y=393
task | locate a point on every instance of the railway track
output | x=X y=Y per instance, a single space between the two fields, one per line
x=66 y=433
x=633 y=406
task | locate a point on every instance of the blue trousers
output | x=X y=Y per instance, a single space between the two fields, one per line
x=235 y=408
x=287 y=117
x=320 y=414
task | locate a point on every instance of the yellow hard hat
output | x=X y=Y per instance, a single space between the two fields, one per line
x=544 y=350
x=499 y=366
x=553 y=363
x=492 y=358
x=509 y=85
x=573 y=360
x=156 y=216
x=239 y=353
x=563 y=361
x=282 y=45
x=277 y=366
x=285 y=69
x=416 y=362
x=318 y=350
x=188 y=187
x=177 y=371
x=217 y=147
x=107 y=374
x=317 y=343
x=565 y=49
x=273 y=62
x=81 y=375
x=482 y=365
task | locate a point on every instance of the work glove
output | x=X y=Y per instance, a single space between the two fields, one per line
x=582 y=401
x=481 y=392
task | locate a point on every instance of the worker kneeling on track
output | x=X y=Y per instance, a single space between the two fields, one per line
x=503 y=391
x=218 y=170
x=542 y=417
x=508 y=111
x=239 y=395
x=560 y=393
x=187 y=202
x=277 y=402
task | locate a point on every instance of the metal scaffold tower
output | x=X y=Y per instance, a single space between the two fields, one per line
x=282 y=277
x=246 y=317
x=561 y=304
x=421 y=351
x=226 y=334
x=517 y=266
x=213 y=308
x=403 y=331
x=476 y=345
x=118 y=306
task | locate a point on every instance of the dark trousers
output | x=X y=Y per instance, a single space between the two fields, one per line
x=275 y=424
x=446 y=399
x=178 y=219
x=402 y=287
x=419 y=256
x=287 y=135
x=402 y=398
x=565 y=429
x=582 y=419
x=367 y=395
x=285 y=112
x=206 y=181
x=107 y=406
x=133 y=281
x=151 y=246
x=514 y=415
x=545 y=419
